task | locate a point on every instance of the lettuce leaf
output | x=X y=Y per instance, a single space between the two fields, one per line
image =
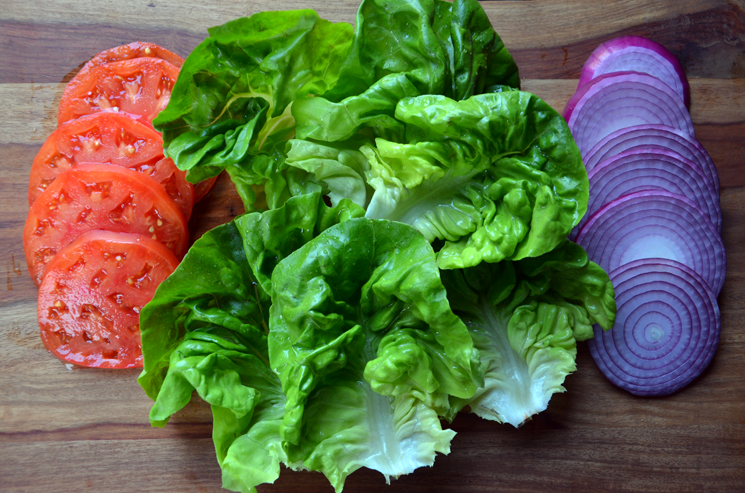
x=231 y=106
x=496 y=176
x=208 y=333
x=206 y=330
x=446 y=48
x=525 y=319
x=427 y=129
x=367 y=350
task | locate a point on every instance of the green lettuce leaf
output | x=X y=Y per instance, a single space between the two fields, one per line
x=445 y=48
x=497 y=176
x=367 y=350
x=206 y=330
x=525 y=319
x=231 y=106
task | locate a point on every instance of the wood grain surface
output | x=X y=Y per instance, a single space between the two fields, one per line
x=85 y=430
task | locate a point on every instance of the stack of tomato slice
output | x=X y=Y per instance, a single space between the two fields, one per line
x=109 y=213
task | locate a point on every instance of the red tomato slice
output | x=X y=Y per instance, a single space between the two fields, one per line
x=99 y=196
x=138 y=49
x=111 y=138
x=140 y=87
x=92 y=294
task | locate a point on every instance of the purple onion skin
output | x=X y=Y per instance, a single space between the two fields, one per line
x=619 y=100
x=654 y=135
x=666 y=332
x=637 y=54
x=650 y=168
x=655 y=224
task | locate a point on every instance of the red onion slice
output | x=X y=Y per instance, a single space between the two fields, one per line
x=666 y=332
x=656 y=135
x=651 y=168
x=655 y=224
x=637 y=54
x=621 y=100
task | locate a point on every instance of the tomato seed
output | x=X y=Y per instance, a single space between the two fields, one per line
x=84 y=214
x=42 y=256
x=98 y=191
x=41 y=226
x=98 y=278
x=118 y=213
x=79 y=264
x=58 y=309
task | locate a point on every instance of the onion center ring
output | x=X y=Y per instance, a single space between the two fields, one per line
x=666 y=332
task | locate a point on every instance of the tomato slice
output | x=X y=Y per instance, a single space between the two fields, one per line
x=140 y=87
x=111 y=138
x=99 y=196
x=92 y=294
x=138 y=49
x=201 y=188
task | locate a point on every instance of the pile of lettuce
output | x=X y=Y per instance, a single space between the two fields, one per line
x=412 y=260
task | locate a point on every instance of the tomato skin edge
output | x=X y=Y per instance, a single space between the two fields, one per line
x=202 y=188
x=136 y=49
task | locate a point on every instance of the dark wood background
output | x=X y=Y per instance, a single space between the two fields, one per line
x=85 y=430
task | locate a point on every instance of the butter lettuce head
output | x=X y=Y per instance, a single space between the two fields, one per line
x=326 y=340
x=320 y=339
x=428 y=129
x=525 y=319
x=367 y=350
x=495 y=177
x=230 y=107
x=206 y=329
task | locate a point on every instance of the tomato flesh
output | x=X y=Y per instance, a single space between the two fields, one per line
x=173 y=181
x=91 y=296
x=99 y=196
x=141 y=87
x=138 y=49
x=111 y=138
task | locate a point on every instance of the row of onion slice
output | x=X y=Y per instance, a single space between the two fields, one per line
x=653 y=219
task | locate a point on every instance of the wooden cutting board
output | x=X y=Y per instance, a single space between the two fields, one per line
x=85 y=430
